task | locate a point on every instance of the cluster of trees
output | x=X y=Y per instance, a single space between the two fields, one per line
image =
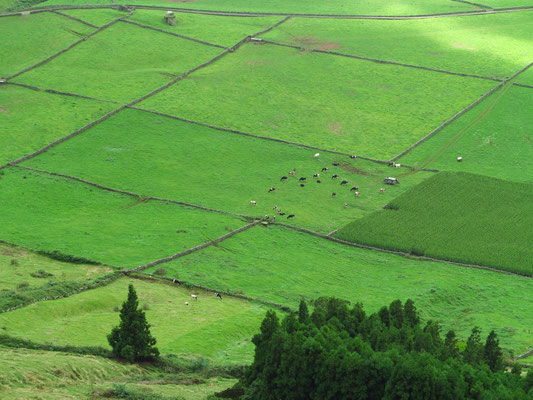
x=338 y=352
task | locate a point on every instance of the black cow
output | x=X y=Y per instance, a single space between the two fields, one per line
x=302 y=184
x=290 y=216
x=218 y=295
x=281 y=213
x=334 y=176
x=318 y=181
x=271 y=189
x=344 y=182
x=283 y=178
x=336 y=164
x=333 y=194
x=353 y=156
x=302 y=179
x=354 y=188
x=325 y=169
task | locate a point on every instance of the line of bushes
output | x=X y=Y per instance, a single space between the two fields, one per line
x=57 y=255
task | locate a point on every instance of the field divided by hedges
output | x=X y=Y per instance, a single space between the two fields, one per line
x=96 y=17
x=459 y=217
x=526 y=78
x=110 y=66
x=50 y=213
x=494 y=138
x=284 y=266
x=162 y=157
x=492 y=45
x=327 y=101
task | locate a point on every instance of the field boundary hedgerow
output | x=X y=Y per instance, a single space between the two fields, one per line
x=136 y=195
x=460 y=113
x=474 y=4
x=336 y=53
x=52 y=91
x=75 y=19
x=523 y=85
x=193 y=249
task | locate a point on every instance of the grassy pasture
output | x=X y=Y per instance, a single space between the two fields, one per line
x=217 y=329
x=225 y=31
x=49 y=213
x=50 y=375
x=284 y=266
x=162 y=157
x=459 y=217
x=96 y=17
x=113 y=68
x=494 y=139
x=27 y=123
x=526 y=77
x=507 y=3
x=496 y=45
x=323 y=100
x=17 y=265
x=31 y=38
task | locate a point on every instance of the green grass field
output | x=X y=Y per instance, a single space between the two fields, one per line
x=33 y=374
x=222 y=30
x=526 y=77
x=166 y=158
x=78 y=219
x=456 y=216
x=27 y=123
x=284 y=266
x=17 y=266
x=109 y=65
x=96 y=17
x=494 y=139
x=327 y=101
x=219 y=330
x=496 y=45
x=31 y=38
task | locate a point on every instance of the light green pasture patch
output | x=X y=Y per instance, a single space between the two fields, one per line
x=96 y=17
x=30 y=120
x=217 y=329
x=49 y=213
x=28 y=39
x=162 y=157
x=526 y=78
x=121 y=63
x=507 y=3
x=222 y=30
x=284 y=266
x=460 y=217
x=327 y=101
x=495 y=138
x=493 y=45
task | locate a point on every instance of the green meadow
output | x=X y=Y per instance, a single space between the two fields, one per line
x=492 y=45
x=323 y=100
x=219 y=330
x=284 y=266
x=96 y=17
x=26 y=123
x=494 y=138
x=31 y=38
x=459 y=217
x=526 y=77
x=162 y=157
x=102 y=226
x=109 y=66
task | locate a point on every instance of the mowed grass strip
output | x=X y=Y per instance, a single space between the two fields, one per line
x=322 y=100
x=493 y=45
x=494 y=138
x=121 y=63
x=459 y=217
x=163 y=157
x=222 y=30
x=96 y=17
x=30 y=120
x=216 y=329
x=19 y=266
x=28 y=39
x=282 y=265
x=49 y=213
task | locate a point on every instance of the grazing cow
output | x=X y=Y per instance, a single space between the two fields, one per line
x=266 y=217
x=281 y=213
x=353 y=156
x=334 y=176
x=291 y=173
x=194 y=297
x=253 y=202
x=302 y=184
x=273 y=218
x=290 y=216
x=354 y=188
x=333 y=194
x=345 y=205
x=316 y=155
x=344 y=182
x=357 y=194
x=283 y=178
x=396 y=165
x=325 y=169
x=302 y=179
x=271 y=189
x=186 y=303
x=382 y=190
x=174 y=281
x=316 y=175
x=336 y=164
x=275 y=207
x=218 y=295
x=319 y=181
x=459 y=159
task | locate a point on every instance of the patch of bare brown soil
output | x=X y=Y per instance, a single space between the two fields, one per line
x=310 y=42
x=336 y=128
x=4 y=110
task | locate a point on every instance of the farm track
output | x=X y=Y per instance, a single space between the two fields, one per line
x=263 y=14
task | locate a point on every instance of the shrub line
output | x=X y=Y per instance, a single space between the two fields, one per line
x=68 y=47
x=193 y=249
x=475 y=4
x=400 y=253
x=207 y=289
x=136 y=195
x=523 y=85
x=75 y=19
x=524 y=355
x=336 y=53
x=460 y=113
x=272 y=27
x=174 y=34
x=52 y=91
